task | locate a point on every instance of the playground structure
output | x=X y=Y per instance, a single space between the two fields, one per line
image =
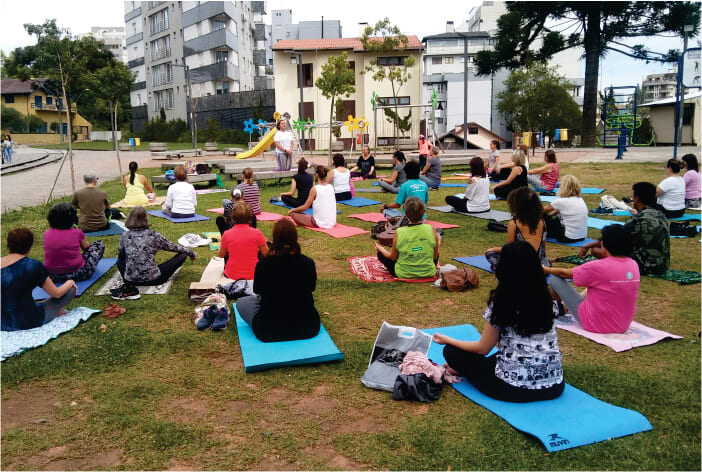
x=621 y=117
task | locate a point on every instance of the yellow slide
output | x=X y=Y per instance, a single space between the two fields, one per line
x=258 y=149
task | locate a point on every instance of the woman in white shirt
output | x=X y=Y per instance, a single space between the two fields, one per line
x=671 y=191
x=322 y=201
x=340 y=178
x=477 y=196
x=566 y=216
x=283 y=141
x=181 y=199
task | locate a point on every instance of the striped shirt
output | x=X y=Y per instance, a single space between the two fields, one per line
x=250 y=194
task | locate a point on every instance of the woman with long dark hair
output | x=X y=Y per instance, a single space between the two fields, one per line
x=692 y=181
x=527 y=224
x=519 y=320
x=135 y=185
x=476 y=198
x=301 y=182
x=671 y=191
x=282 y=311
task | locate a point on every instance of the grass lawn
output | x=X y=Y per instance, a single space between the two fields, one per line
x=151 y=392
x=143 y=146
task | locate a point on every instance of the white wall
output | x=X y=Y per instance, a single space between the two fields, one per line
x=135 y=50
x=104 y=135
x=137 y=98
x=140 y=73
x=479 y=103
x=189 y=5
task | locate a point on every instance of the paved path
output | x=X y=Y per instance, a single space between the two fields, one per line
x=31 y=187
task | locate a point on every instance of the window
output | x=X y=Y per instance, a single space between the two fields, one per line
x=472 y=130
x=221 y=56
x=163 y=99
x=352 y=66
x=392 y=61
x=348 y=108
x=9 y=99
x=306 y=76
x=49 y=100
x=448 y=60
x=162 y=74
x=222 y=87
x=161 y=48
x=688 y=111
x=391 y=100
x=218 y=25
x=308 y=110
x=159 y=21
x=436 y=60
x=439 y=120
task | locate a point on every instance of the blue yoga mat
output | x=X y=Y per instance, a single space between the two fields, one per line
x=306 y=212
x=192 y=219
x=591 y=190
x=687 y=217
x=599 y=223
x=114 y=229
x=258 y=355
x=359 y=202
x=446 y=185
x=547 y=198
x=576 y=244
x=571 y=420
x=102 y=267
x=16 y=342
x=476 y=261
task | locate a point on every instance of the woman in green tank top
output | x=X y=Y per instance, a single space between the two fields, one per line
x=415 y=248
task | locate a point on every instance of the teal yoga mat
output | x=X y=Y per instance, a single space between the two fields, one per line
x=258 y=355
x=599 y=223
x=113 y=230
x=575 y=244
x=190 y=219
x=359 y=202
x=571 y=420
x=476 y=261
x=102 y=267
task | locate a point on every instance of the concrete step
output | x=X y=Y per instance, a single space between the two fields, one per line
x=30 y=163
x=453 y=160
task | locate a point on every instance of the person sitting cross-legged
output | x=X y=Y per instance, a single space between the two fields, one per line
x=19 y=275
x=431 y=173
x=282 y=311
x=392 y=184
x=476 y=198
x=181 y=199
x=136 y=253
x=93 y=204
x=63 y=245
x=340 y=178
x=608 y=304
x=671 y=191
x=412 y=188
x=519 y=320
x=650 y=233
x=514 y=175
x=323 y=202
x=566 y=216
x=546 y=176
x=225 y=221
x=415 y=248
x=301 y=182
x=241 y=245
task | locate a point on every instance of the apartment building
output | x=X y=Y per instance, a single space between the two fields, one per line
x=113 y=37
x=659 y=86
x=213 y=41
x=282 y=27
x=311 y=54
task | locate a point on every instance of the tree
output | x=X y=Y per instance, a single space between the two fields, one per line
x=598 y=27
x=213 y=131
x=256 y=110
x=69 y=62
x=538 y=99
x=384 y=38
x=336 y=80
x=17 y=122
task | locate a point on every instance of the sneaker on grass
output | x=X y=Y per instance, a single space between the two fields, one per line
x=208 y=317
x=221 y=320
x=125 y=292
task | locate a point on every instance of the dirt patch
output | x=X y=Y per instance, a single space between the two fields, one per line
x=175 y=464
x=273 y=462
x=59 y=458
x=331 y=458
x=231 y=412
x=228 y=361
x=29 y=404
x=362 y=421
x=185 y=409
x=277 y=395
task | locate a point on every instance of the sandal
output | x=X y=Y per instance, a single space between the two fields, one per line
x=113 y=311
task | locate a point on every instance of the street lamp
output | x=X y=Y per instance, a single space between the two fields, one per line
x=192 y=114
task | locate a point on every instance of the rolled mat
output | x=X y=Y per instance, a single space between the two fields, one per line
x=102 y=267
x=192 y=219
x=258 y=355
x=571 y=420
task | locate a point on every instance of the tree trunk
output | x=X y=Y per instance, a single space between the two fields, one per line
x=70 y=136
x=331 y=120
x=593 y=50
x=114 y=125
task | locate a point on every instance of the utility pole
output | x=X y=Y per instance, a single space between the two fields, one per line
x=190 y=101
x=465 y=93
x=687 y=29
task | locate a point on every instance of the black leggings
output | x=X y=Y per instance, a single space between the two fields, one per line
x=340 y=197
x=460 y=204
x=390 y=264
x=556 y=230
x=292 y=201
x=167 y=269
x=480 y=371
x=673 y=213
x=223 y=226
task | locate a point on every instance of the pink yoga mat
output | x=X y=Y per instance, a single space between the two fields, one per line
x=263 y=216
x=636 y=336
x=376 y=217
x=340 y=231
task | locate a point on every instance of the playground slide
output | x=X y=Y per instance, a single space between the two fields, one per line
x=264 y=144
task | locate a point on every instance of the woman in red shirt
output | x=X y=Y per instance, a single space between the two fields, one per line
x=425 y=148
x=241 y=245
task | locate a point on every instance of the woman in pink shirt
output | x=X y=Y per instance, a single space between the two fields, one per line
x=692 y=181
x=546 y=176
x=609 y=303
x=63 y=245
x=425 y=148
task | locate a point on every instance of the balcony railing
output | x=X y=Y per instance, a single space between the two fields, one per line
x=158 y=26
x=53 y=107
x=163 y=78
x=152 y=5
x=160 y=53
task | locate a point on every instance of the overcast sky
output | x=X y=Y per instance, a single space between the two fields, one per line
x=416 y=17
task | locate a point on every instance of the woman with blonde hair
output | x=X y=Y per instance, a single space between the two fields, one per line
x=181 y=199
x=566 y=216
x=517 y=176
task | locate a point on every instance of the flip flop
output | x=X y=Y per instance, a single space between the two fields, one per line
x=113 y=311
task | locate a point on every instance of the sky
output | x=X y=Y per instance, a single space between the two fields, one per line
x=416 y=17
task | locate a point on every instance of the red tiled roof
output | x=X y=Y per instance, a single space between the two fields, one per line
x=333 y=43
x=19 y=87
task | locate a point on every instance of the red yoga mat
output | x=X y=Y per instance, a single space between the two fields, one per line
x=370 y=269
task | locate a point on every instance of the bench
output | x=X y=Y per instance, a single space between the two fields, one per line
x=337 y=146
x=124 y=147
x=156 y=147
x=221 y=163
x=232 y=151
x=210 y=146
x=233 y=170
x=176 y=153
x=192 y=179
x=171 y=165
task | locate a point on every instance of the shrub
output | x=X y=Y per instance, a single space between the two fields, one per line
x=159 y=130
x=213 y=132
x=234 y=136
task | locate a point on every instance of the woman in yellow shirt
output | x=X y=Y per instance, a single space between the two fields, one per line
x=135 y=185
